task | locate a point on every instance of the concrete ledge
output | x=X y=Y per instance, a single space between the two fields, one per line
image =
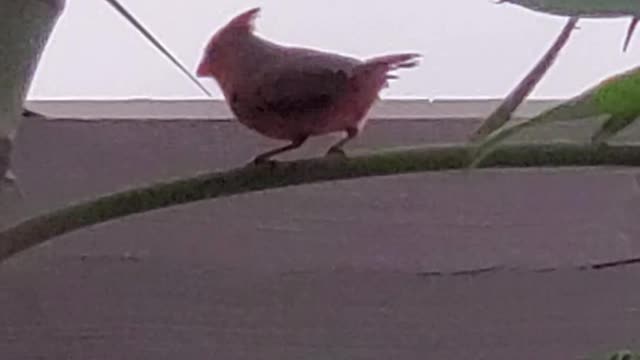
x=347 y=270
x=217 y=109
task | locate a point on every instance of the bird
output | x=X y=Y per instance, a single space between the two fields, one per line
x=292 y=93
x=587 y=9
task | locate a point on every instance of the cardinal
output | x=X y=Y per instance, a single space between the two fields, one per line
x=293 y=93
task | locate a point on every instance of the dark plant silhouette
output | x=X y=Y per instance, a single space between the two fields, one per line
x=25 y=75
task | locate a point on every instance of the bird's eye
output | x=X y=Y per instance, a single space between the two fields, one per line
x=211 y=52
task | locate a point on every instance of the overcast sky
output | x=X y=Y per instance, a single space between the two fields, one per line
x=472 y=48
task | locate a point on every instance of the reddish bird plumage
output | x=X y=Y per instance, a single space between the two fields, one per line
x=292 y=93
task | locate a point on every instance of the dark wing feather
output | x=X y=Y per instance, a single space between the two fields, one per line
x=295 y=93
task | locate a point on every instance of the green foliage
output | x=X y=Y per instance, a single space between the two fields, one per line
x=581 y=8
x=623 y=355
x=615 y=99
x=618 y=95
x=587 y=9
x=503 y=113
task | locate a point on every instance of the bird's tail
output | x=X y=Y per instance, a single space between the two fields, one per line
x=377 y=69
x=393 y=62
x=396 y=60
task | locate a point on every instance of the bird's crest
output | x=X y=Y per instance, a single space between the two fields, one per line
x=244 y=21
x=240 y=24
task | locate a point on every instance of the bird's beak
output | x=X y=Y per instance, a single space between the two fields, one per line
x=203 y=70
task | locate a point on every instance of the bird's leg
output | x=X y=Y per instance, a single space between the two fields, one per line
x=337 y=148
x=264 y=157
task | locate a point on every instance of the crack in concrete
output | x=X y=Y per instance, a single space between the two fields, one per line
x=494 y=269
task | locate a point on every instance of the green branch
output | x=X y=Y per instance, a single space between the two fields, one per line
x=39 y=229
x=508 y=106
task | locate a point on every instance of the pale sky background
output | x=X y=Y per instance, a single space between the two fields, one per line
x=472 y=48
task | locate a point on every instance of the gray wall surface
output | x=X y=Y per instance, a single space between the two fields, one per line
x=363 y=269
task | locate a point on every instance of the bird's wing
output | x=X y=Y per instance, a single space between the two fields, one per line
x=299 y=88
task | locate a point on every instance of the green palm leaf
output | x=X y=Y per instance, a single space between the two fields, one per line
x=616 y=98
x=587 y=9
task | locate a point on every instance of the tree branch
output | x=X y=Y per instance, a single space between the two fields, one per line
x=41 y=228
